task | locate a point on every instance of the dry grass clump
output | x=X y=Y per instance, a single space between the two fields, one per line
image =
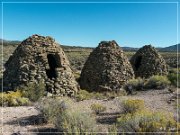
x=85 y=95
x=98 y=108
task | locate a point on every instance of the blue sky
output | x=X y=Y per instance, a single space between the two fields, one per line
x=132 y=25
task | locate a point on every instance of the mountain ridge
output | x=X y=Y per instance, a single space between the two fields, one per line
x=171 y=48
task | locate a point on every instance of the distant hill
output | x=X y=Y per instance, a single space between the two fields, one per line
x=9 y=42
x=172 y=48
x=130 y=49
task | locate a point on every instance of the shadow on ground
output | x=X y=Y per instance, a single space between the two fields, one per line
x=46 y=131
x=38 y=122
x=30 y=120
x=108 y=118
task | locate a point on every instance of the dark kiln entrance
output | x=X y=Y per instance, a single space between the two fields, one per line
x=53 y=64
x=138 y=62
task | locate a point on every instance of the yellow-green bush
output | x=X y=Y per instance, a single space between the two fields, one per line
x=134 y=85
x=33 y=91
x=13 y=98
x=157 y=82
x=146 y=121
x=98 y=108
x=132 y=105
x=66 y=118
x=174 y=79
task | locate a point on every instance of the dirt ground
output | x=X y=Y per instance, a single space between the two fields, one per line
x=26 y=120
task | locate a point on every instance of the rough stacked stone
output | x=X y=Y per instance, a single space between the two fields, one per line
x=106 y=69
x=36 y=59
x=147 y=62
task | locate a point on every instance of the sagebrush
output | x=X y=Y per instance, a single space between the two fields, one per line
x=134 y=85
x=157 y=82
x=147 y=121
x=66 y=118
x=132 y=105
x=33 y=91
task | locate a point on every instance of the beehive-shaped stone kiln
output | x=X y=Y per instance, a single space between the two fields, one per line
x=36 y=59
x=147 y=62
x=106 y=69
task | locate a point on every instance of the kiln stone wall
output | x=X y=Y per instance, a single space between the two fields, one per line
x=38 y=59
x=106 y=69
x=147 y=62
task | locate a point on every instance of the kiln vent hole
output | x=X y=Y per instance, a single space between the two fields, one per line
x=53 y=64
x=138 y=62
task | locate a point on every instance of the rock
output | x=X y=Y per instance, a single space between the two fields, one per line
x=49 y=94
x=39 y=58
x=169 y=102
x=106 y=67
x=147 y=62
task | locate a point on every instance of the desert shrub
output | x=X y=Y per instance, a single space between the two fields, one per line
x=173 y=78
x=113 y=94
x=132 y=105
x=70 y=121
x=83 y=95
x=66 y=118
x=174 y=70
x=112 y=130
x=49 y=107
x=13 y=98
x=98 y=108
x=157 y=82
x=33 y=91
x=134 y=84
x=146 y=121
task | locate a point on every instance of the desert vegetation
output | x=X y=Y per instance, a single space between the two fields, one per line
x=137 y=118
x=66 y=118
x=68 y=115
